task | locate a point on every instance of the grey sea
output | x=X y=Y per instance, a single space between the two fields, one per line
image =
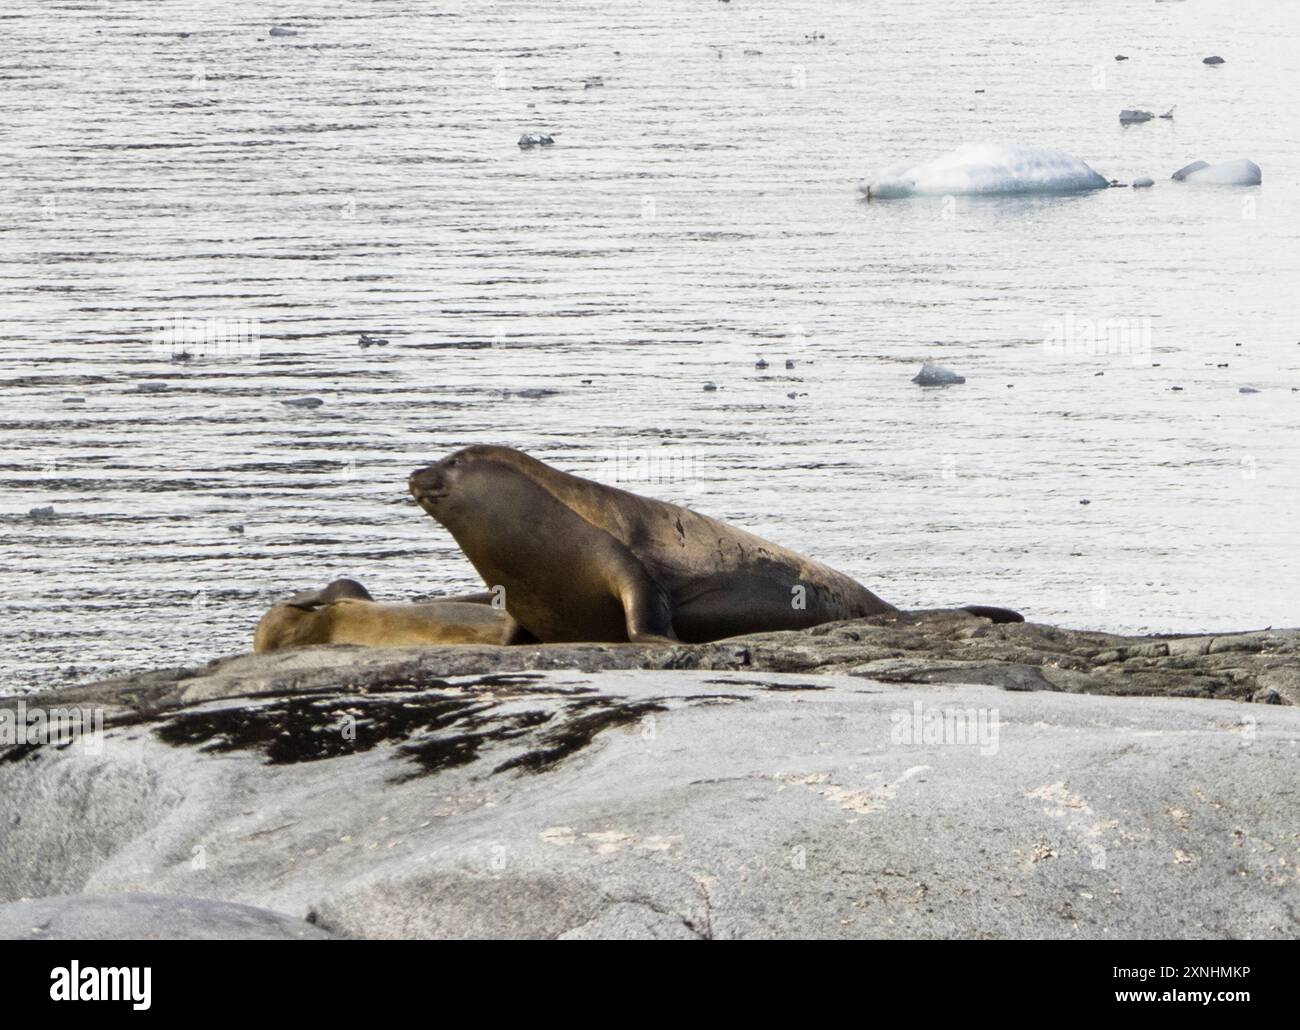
x=199 y=217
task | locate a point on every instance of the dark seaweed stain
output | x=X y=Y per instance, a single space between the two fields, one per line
x=767 y=685
x=311 y=729
x=17 y=752
x=575 y=734
x=435 y=730
x=716 y=699
x=443 y=752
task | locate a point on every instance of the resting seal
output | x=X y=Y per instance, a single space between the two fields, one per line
x=582 y=561
x=345 y=613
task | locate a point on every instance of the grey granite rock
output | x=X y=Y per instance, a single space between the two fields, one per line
x=146 y=917
x=685 y=803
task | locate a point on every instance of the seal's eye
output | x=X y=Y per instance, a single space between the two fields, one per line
x=452 y=462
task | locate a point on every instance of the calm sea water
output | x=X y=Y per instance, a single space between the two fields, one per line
x=696 y=212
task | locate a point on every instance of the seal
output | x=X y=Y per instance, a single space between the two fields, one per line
x=580 y=561
x=345 y=613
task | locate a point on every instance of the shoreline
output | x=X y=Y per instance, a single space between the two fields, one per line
x=928 y=647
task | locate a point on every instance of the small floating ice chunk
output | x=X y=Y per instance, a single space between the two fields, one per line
x=1247 y=389
x=936 y=375
x=1216 y=59
x=303 y=402
x=1133 y=115
x=986 y=168
x=1143 y=181
x=278 y=30
x=1240 y=172
x=535 y=139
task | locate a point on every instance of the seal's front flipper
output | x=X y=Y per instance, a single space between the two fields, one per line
x=994 y=614
x=646 y=606
x=514 y=633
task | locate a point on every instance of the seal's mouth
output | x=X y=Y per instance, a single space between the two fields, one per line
x=428 y=501
x=427 y=489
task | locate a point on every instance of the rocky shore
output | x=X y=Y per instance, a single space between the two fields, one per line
x=942 y=646
x=927 y=775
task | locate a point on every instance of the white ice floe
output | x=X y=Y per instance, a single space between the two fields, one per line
x=1240 y=172
x=975 y=168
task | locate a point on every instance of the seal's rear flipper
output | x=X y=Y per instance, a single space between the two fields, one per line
x=482 y=597
x=339 y=590
x=994 y=614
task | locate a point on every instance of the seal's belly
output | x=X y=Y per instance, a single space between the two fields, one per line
x=763 y=599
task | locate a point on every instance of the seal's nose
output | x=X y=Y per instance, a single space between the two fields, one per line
x=424 y=481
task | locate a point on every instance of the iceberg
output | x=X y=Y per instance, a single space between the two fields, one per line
x=1226 y=173
x=986 y=168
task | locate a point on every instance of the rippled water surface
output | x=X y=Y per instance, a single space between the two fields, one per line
x=696 y=212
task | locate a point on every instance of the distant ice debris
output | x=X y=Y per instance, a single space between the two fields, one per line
x=986 y=168
x=280 y=30
x=1143 y=181
x=535 y=139
x=936 y=375
x=1216 y=59
x=1129 y=115
x=1240 y=172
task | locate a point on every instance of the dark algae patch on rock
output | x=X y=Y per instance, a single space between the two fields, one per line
x=437 y=730
x=575 y=734
x=311 y=729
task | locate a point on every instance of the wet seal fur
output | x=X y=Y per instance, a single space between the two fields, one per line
x=580 y=561
x=345 y=613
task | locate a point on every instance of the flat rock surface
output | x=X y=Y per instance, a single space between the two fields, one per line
x=403 y=802
x=905 y=647
x=146 y=917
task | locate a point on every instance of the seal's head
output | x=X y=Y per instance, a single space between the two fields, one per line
x=465 y=486
x=299 y=620
x=436 y=487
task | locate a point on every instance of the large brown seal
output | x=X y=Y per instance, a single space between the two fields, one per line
x=582 y=561
x=345 y=613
